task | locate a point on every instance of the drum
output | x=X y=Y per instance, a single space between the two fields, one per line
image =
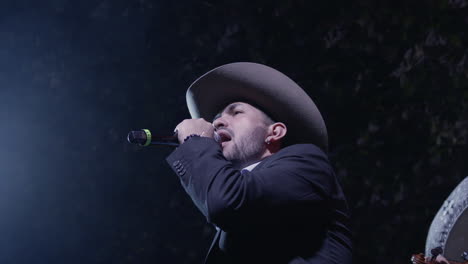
x=449 y=229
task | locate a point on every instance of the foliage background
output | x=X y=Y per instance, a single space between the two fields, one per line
x=390 y=78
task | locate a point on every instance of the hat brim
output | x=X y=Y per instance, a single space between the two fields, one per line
x=270 y=90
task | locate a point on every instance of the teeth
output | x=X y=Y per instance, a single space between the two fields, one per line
x=217 y=138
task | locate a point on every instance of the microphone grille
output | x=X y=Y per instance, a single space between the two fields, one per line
x=137 y=137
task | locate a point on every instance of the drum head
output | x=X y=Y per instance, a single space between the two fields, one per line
x=449 y=229
x=457 y=240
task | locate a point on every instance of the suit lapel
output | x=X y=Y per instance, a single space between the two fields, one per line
x=210 y=256
x=213 y=252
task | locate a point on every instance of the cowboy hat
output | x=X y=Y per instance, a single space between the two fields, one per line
x=264 y=87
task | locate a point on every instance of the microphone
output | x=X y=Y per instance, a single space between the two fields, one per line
x=145 y=138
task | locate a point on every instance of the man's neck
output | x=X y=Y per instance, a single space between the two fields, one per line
x=254 y=161
x=240 y=165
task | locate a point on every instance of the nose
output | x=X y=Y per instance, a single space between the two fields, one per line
x=220 y=122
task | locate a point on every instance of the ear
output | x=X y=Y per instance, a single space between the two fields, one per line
x=276 y=132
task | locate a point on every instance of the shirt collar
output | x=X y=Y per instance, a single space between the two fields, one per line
x=251 y=166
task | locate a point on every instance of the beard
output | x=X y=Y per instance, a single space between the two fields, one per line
x=246 y=149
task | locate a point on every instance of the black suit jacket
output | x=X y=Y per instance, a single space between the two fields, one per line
x=289 y=209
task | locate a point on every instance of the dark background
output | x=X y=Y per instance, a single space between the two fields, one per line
x=390 y=78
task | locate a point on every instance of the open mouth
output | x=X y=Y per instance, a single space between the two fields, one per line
x=224 y=137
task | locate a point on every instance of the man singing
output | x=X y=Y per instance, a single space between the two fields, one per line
x=265 y=183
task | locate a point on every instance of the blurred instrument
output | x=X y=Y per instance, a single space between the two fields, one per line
x=421 y=259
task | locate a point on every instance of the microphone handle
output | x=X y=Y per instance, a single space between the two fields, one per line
x=165 y=140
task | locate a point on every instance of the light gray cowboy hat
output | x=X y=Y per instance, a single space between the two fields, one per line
x=449 y=229
x=264 y=87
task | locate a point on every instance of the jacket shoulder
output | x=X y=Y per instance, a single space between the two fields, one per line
x=304 y=150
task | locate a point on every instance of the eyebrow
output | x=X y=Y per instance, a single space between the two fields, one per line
x=228 y=109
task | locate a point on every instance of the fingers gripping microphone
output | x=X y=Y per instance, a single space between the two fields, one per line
x=145 y=138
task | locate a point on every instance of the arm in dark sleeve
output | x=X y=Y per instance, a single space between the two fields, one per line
x=228 y=197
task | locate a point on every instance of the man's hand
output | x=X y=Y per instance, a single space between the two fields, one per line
x=194 y=126
x=439 y=260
